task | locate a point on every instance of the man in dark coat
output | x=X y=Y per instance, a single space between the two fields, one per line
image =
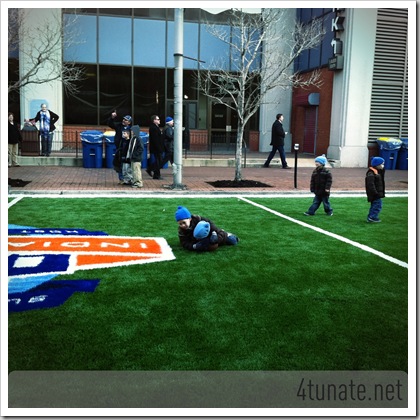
x=375 y=188
x=156 y=148
x=277 y=142
x=119 y=126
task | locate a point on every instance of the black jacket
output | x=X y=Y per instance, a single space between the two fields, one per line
x=375 y=184
x=53 y=119
x=186 y=236
x=156 y=144
x=135 y=150
x=118 y=127
x=277 y=134
x=168 y=133
x=321 y=180
x=14 y=134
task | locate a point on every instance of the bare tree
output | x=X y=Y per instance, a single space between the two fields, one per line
x=42 y=51
x=262 y=51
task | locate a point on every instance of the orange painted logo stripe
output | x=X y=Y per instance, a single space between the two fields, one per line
x=89 y=244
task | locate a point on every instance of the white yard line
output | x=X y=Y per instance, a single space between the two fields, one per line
x=13 y=202
x=185 y=195
x=189 y=194
x=332 y=235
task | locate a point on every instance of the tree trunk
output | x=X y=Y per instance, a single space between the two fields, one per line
x=238 y=155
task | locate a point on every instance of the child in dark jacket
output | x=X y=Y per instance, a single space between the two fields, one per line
x=134 y=156
x=375 y=188
x=321 y=181
x=200 y=234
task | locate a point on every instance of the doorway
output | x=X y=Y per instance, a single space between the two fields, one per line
x=310 y=129
x=223 y=126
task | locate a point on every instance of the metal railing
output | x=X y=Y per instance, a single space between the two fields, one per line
x=69 y=144
x=63 y=144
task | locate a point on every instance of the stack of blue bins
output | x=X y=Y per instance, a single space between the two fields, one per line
x=388 y=150
x=110 y=148
x=92 y=141
x=145 y=138
x=402 y=162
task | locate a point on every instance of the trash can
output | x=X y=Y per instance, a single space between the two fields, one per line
x=388 y=150
x=110 y=148
x=402 y=161
x=30 y=141
x=92 y=141
x=145 y=137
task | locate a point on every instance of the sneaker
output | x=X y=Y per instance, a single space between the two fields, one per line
x=231 y=239
x=308 y=214
x=330 y=214
x=137 y=186
x=370 y=220
x=265 y=166
x=287 y=167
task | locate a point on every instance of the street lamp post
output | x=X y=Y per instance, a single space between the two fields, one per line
x=178 y=99
x=296 y=147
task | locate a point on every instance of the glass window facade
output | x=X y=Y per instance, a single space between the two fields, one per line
x=128 y=58
x=115 y=40
x=316 y=57
x=149 y=43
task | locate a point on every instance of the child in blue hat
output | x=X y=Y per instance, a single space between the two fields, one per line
x=375 y=188
x=321 y=181
x=197 y=233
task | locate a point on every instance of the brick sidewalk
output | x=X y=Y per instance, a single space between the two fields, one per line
x=51 y=179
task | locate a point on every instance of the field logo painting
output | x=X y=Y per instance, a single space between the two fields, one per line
x=36 y=256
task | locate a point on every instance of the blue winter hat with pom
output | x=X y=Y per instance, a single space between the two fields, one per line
x=182 y=213
x=202 y=230
x=321 y=159
x=376 y=161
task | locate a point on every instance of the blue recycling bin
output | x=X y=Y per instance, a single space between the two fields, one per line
x=110 y=148
x=402 y=161
x=92 y=141
x=388 y=150
x=145 y=137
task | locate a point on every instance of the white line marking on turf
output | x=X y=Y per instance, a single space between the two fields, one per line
x=333 y=235
x=13 y=202
x=189 y=194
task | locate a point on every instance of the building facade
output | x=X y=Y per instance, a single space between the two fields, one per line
x=127 y=57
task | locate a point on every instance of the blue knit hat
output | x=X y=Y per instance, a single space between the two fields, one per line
x=182 y=213
x=376 y=161
x=168 y=119
x=202 y=230
x=321 y=159
x=128 y=118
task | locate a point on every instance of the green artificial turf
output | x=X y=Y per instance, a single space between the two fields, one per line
x=286 y=298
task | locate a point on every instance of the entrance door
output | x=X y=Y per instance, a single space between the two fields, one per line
x=224 y=123
x=309 y=136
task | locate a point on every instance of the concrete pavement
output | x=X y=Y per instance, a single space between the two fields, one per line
x=195 y=179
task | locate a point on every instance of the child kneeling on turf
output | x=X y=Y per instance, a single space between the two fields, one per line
x=200 y=234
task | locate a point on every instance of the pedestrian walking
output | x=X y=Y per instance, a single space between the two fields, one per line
x=375 y=188
x=277 y=142
x=321 y=181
